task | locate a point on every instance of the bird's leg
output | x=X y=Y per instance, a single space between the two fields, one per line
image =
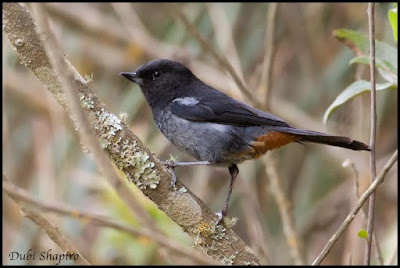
x=234 y=171
x=183 y=164
x=172 y=165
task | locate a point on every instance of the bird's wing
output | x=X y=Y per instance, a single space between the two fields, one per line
x=227 y=112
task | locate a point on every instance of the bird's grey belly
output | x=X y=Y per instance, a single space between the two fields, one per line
x=205 y=141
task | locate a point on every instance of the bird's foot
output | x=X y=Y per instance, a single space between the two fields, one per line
x=171 y=167
x=221 y=214
x=173 y=163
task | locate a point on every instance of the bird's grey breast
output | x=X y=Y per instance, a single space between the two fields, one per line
x=203 y=140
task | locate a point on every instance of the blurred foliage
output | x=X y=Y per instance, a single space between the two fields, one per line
x=385 y=61
x=393 y=20
x=42 y=153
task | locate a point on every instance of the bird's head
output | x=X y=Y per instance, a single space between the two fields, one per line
x=160 y=78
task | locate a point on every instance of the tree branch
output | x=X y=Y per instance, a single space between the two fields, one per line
x=355 y=210
x=372 y=163
x=124 y=148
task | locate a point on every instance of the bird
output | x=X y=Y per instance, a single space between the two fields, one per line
x=212 y=127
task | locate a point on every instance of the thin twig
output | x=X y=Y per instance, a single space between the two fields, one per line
x=253 y=221
x=265 y=80
x=23 y=196
x=139 y=34
x=285 y=210
x=219 y=57
x=51 y=230
x=223 y=33
x=355 y=210
x=371 y=208
x=350 y=163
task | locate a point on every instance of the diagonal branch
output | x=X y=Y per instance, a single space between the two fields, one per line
x=124 y=148
x=378 y=180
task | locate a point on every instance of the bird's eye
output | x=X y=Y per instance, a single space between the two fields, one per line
x=156 y=74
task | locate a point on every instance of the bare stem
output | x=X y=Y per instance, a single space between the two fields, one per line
x=285 y=211
x=269 y=52
x=377 y=247
x=371 y=208
x=355 y=210
x=284 y=206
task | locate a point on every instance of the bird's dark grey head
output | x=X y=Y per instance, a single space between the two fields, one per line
x=160 y=78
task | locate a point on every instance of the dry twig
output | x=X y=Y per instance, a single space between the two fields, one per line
x=355 y=210
x=285 y=210
x=372 y=163
x=265 y=80
x=348 y=162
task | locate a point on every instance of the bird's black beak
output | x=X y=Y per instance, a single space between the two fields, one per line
x=133 y=77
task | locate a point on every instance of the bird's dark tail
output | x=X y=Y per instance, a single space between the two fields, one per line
x=338 y=141
x=318 y=137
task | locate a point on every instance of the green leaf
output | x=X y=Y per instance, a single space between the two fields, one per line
x=388 y=76
x=359 y=43
x=363 y=234
x=352 y=91
x=393 y=21
x=379 y=63
x=354 y=40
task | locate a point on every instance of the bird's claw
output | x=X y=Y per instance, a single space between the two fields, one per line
x=171 y=167
x=221 y=214
x=220 y=217
x=173 y=182
x=170 y=163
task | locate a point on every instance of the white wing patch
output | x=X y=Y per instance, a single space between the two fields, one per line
x=187 y=101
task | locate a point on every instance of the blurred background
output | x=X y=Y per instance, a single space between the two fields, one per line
x=42 y=153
